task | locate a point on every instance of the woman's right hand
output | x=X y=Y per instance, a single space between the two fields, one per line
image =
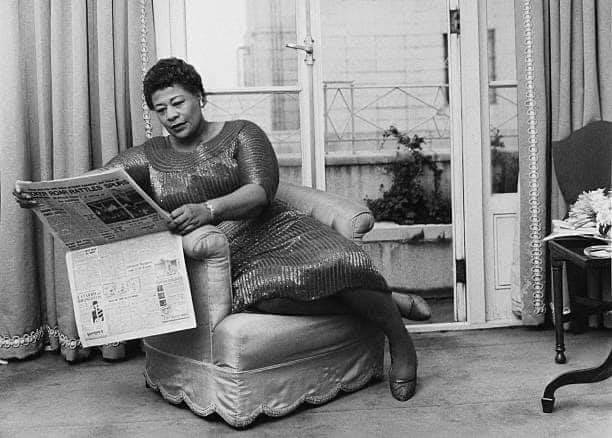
x=24 y=199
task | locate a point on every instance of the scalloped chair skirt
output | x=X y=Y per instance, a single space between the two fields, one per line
x=310 y=360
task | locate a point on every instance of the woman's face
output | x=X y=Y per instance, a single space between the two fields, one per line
x=178 y=111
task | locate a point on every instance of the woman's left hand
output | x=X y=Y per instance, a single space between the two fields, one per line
x=188 y=217
x=24 y=199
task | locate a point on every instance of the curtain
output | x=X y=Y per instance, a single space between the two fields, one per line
x=564 y=72
x=72 y=73
x=581 y=77
x=533 y=164
x=580 y=71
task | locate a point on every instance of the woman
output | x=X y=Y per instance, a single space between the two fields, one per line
x=282 y=261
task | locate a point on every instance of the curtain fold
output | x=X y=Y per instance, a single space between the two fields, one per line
x=581 y=72
x=73 y=72
x=533 y=162
x=564 y=65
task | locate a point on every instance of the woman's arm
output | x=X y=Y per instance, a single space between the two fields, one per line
x=244 y=203
x=258 y=173
x=24 y=199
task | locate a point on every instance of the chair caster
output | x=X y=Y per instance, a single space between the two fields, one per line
x=560 y=357
x=547 y=405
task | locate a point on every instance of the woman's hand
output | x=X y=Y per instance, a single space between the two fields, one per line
x=188 y=217
x=24 y=199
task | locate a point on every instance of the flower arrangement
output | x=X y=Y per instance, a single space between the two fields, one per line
x=593 y=209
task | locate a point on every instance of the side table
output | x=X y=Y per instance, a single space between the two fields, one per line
x=563 y=251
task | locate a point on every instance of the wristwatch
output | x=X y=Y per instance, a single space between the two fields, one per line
x=211 y=210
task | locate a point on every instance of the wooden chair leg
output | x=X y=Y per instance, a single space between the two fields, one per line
x=589 y=375
x=593 y=281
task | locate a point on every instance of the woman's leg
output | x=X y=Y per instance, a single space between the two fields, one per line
x=379 y=308
x=410 y=306
x=285 y=306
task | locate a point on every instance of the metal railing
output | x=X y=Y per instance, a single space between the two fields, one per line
x=425 y=112
x=362 y=105
x=356 y=115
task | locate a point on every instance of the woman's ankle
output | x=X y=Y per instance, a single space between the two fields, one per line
x=404 y=361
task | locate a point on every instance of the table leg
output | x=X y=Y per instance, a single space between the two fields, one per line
x=589 y=375
x=557 y=287
x=593 y=280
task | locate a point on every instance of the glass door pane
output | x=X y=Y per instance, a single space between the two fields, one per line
x=502 y=96
x=387 y=134
x=239 y=48
x=501 y=206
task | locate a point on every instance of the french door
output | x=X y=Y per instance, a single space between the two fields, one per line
x=327 y=79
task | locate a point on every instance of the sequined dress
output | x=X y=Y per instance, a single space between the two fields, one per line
x=282 y=252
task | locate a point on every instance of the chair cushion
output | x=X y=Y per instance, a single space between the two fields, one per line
x=248 y=341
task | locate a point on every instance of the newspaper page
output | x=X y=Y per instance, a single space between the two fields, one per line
x=130 y=289
x=96 y=208
x=562 y=229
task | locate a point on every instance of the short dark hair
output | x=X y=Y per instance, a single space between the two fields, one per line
x=168 y=72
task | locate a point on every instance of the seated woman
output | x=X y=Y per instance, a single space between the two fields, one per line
x=282 y=261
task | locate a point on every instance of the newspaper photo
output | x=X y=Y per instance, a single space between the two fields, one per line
x=130 y=289
x=95 y=209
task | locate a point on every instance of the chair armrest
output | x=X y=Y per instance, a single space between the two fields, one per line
x=208 y=266
x=347 y=217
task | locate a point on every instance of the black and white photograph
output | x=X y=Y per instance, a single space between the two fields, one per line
x=109 y=210
x=390 y=218
x=135 y=205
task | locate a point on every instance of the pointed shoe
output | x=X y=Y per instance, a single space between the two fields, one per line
x=413 y=307
x=402 y=389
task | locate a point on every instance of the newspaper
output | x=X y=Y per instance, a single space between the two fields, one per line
x=96 y=208
x=127 y=272
x=562 y=229
x=130 y=289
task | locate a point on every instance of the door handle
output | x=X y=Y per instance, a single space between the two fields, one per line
x=307 y=47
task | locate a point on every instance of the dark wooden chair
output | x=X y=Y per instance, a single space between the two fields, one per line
x=582 y=162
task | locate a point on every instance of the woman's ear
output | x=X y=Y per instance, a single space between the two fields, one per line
x=203 y=101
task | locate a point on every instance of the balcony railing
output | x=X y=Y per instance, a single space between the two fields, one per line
x=356 y=114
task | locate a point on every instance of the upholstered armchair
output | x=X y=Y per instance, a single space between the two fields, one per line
x=245 y=364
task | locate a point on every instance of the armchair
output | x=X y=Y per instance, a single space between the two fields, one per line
x=245 y=364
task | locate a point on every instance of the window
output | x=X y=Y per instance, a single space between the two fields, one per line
x=491 y=64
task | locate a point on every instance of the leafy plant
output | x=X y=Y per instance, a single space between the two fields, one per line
x=407 y=202
x=496 y=138
x=504 y=165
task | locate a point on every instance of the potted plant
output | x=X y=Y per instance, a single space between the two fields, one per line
x=406 y=201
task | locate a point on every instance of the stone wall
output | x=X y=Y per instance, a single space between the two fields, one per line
x=413 y=257
x=357 y=176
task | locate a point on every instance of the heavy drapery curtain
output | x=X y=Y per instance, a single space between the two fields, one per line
x=564 y=72
x=71 y=74
x=580 y=71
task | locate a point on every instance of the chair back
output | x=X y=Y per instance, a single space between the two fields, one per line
x=582 y=160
